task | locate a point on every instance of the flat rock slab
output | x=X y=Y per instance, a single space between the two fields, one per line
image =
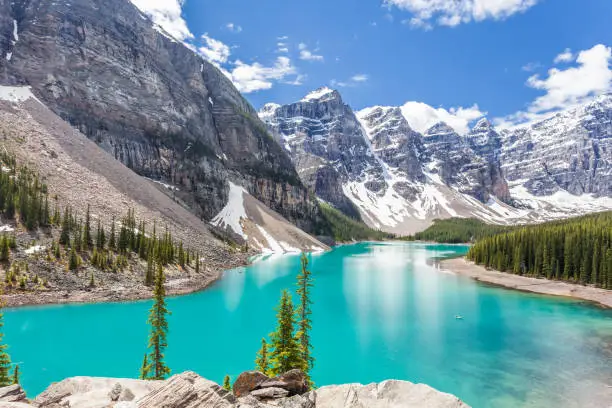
x=387 y=394
x=270 y=392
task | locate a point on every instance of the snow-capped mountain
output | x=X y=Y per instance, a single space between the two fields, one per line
x=327 y=144
x=400 y=180
x=570 y=151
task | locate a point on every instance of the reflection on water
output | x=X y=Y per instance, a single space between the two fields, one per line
x=380 y=311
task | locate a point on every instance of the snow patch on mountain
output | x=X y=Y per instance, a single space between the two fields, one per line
x=16 y=94
x=318 y=95
x=234 y=213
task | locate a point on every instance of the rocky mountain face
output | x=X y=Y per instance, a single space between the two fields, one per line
x=468 y=163
x=327 y=144
x=149 y=101
x=555 y=168
x=568 y=152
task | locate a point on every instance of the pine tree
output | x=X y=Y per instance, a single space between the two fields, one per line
x=16 y=374
x=112 y=244
x=286 y=353
x=159 y=329
x=227 y=386
x=144 y=369
x=65 y=234
x=150 y=275
x=546 y=262
x=197 y=263
x=4 y=249
x=304 y=312
x=261 y=362
x=73 y=262
x=5 y=360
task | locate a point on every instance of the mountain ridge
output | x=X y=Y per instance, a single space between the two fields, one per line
x=440 y=173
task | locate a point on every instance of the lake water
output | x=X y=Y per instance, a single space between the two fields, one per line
x=380 y=311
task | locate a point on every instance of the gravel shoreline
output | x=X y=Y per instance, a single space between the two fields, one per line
x=461 y=266
x=104 y=295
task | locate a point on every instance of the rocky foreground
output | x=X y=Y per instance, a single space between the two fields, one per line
x=252 y=389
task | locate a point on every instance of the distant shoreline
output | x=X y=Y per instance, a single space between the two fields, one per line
x=461 y=266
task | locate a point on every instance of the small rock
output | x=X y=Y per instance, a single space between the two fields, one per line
x=126 y=395
x=295 y=382
x=270 y=393
x=115 y=392
x=247 y=382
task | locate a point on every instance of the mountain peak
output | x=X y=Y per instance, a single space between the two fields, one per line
x=321 y=94
x=268 y=110
x=439 y=128
x=483 y=124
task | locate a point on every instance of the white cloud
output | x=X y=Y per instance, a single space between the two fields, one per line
x=307 y=55
x=214 y=50
x=246 y=77
x=590 y=77
x=565 y=56
x=167 y=15
x=282 y=47
x=531 y=66
x=359 y=78
x=454 y=12
x=234 y=28
x=421 y=116
x=352 y=81
x=254 y=77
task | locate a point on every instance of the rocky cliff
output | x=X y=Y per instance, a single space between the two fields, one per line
x=150 y=101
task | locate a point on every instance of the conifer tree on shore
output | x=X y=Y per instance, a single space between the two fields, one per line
x=144 y=369
x=16 y=374
x=158 y=322
x=304 y=312
x=5 y=360
x=261 y=362
x=286 y=352
x=227 y=386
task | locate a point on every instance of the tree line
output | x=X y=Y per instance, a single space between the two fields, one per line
x=457 y=230
x=25 y=199
x=576 y=250
x=345 y=229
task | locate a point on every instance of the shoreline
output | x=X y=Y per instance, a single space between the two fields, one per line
x=463 y=267
x=122 y=291
x=175 y=287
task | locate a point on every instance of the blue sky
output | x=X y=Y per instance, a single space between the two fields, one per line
x=476 y=56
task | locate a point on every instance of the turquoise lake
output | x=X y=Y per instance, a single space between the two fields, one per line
x=380 y=311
